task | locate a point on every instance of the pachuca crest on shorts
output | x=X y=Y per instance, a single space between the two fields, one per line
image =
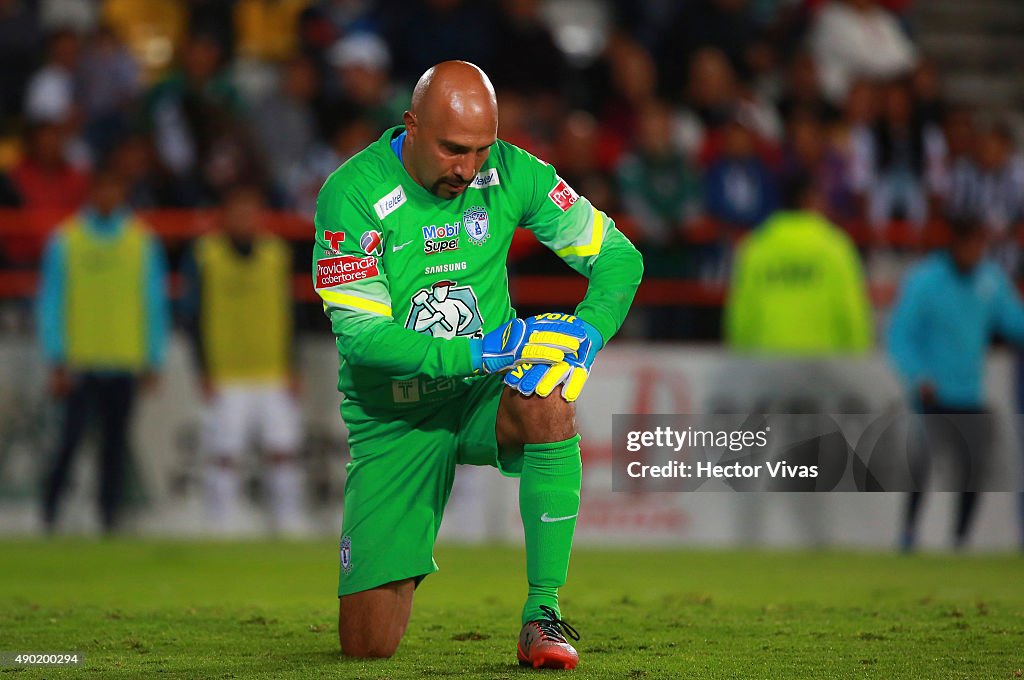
x=399 y=268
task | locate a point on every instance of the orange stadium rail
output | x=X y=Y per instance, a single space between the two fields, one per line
x=175 y=226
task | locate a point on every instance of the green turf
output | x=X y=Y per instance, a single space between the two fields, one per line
x=262 y=610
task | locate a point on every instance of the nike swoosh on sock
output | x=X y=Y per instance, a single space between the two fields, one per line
x=545 y=518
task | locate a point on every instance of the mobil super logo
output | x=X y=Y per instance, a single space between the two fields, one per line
x=441 y=238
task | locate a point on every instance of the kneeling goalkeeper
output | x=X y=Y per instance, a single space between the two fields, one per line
x=412 y=236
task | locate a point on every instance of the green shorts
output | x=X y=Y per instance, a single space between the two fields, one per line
x=400 y=478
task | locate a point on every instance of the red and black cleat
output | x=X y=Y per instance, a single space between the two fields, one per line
x=542 y=643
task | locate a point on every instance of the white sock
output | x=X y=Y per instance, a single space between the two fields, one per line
x=222 y=489
x=286 y=495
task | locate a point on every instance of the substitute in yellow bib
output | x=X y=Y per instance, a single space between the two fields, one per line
x=237 y=305
x=103 y=321
x=798 y=288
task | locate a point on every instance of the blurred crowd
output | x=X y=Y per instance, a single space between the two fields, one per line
x=692 y=122
x=682 y=118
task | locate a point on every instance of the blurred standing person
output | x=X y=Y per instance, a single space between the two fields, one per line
x=810 y=150
x=362 y=63
x=585 y=157
x=54 y=95
x=44 y=168
x=194 y=117
x=797 y=291
x=518 y=124
x=285 y=121
x=926 y=88
x=103 y=320
x=802 y=93
x=949 y=307
x=798 y=287
x=658 y=188
x=739 y=186
x=713 y=96
x=304 y=179
x=51 y=92
x=111 y=83
x=856 y=133
x=989 y=186
x=960 y=134
x=906 y=148
x=660 y=192
x=710 y=96
x=238 y=308
x=134 y=158
x=986 y=180
x=630 y=86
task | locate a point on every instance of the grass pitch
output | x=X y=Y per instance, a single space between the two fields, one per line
x=267 y=610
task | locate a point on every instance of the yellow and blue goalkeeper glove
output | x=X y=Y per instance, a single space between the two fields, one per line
x=573 y=370
x=543 y=339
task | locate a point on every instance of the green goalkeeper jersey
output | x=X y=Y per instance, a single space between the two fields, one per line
x=408 y=278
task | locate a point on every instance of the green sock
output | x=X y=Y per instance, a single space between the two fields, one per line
x=549 y=500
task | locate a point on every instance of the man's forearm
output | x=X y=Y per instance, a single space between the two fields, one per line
x=614 y=279
x=377 y=342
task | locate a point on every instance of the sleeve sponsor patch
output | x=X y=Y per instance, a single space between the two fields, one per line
x=334 y=239
x=390 y=203
x=563 y=195
x=337 y=271
x=372 y=242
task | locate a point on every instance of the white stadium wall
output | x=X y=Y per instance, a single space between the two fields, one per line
x=166 y=490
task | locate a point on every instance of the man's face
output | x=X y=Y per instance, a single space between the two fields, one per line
x=993 y=151
x=242 y=214
x=807 y=138
x=655 y=127
x=739 y=141
x=441 y=293
x=447 y=148
x=967 y=251
x=364 y=84
x=201 y=58
x=108 y=193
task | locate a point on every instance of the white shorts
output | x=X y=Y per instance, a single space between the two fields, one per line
x=240 y=416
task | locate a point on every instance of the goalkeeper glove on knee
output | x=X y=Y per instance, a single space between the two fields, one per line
x=573 y=370
x=542 y=339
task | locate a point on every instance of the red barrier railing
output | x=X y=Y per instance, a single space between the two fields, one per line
x=175 y=226
x=526 y=290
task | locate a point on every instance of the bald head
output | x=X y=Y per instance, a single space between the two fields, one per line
x=455 y=87
x=451 y=125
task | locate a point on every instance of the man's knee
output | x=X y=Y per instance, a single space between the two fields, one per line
x=535 y=420
x=371 y=623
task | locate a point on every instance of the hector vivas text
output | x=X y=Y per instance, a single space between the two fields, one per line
x=664 y=438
